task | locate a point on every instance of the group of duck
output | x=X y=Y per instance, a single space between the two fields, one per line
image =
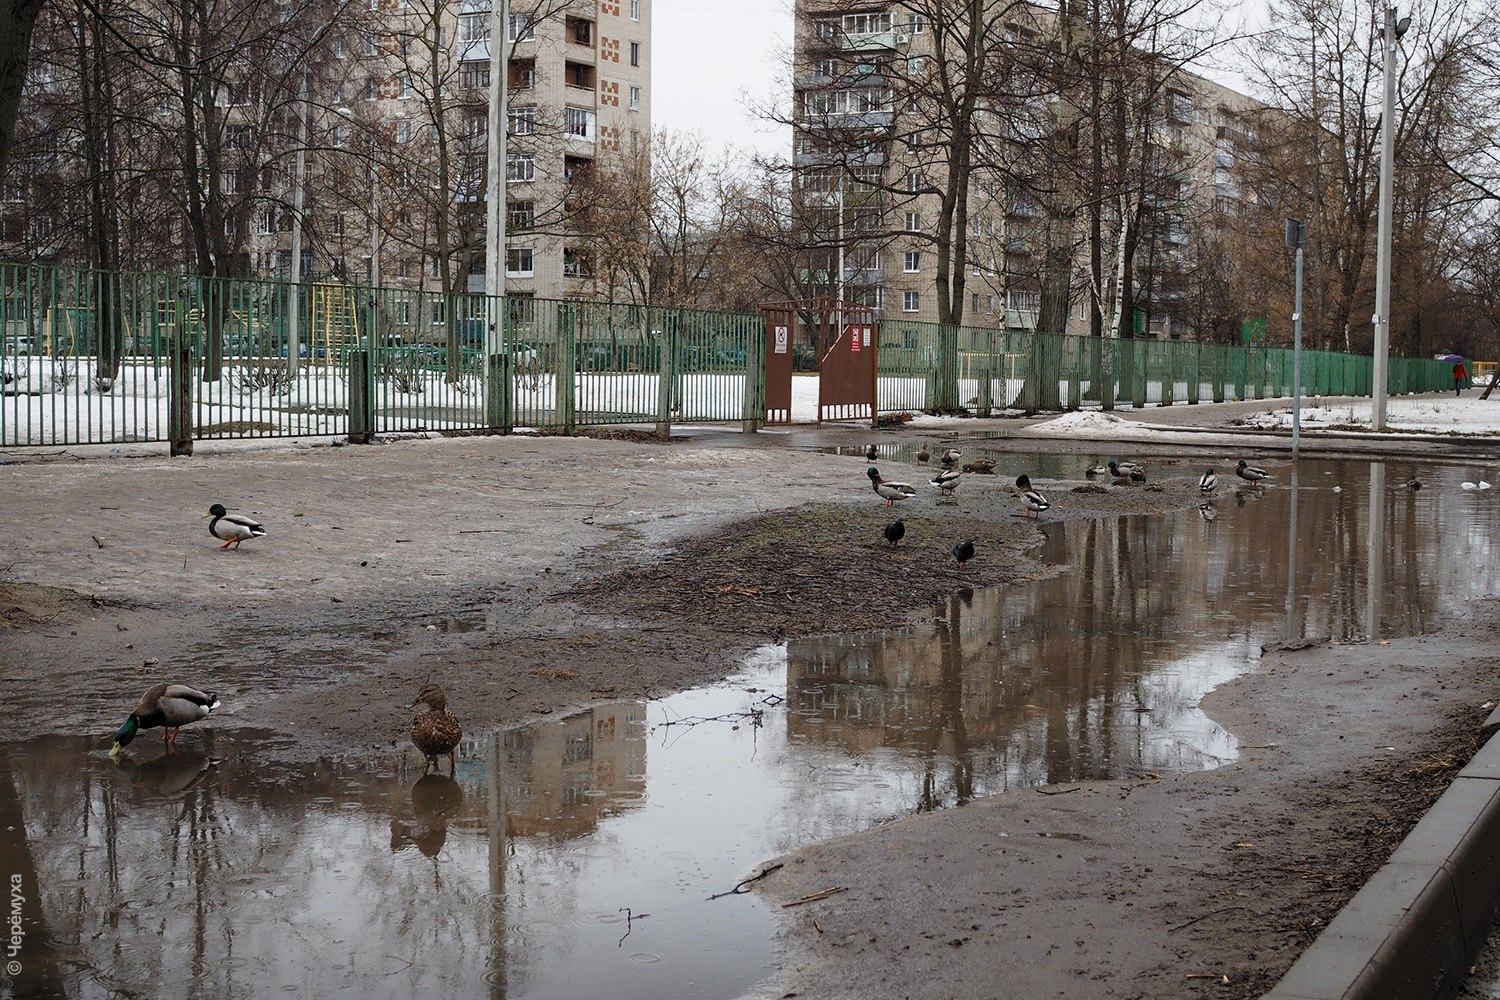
x=435 y=732
x=947 y=480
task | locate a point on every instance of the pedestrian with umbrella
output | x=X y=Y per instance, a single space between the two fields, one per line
x=1459 y=374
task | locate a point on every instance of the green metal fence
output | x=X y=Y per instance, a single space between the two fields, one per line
x=1006 y=369
x=100 y=357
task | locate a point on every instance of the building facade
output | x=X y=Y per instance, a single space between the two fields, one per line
x=892 y=144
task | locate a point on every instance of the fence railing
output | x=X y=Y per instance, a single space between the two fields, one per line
x=89 y=356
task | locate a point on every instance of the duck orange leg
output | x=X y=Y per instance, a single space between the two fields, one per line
x=227 y=544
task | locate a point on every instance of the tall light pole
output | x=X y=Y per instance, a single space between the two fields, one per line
x=1296 y=238
x=293 y=294
x=1390 y=34
x=495 y=177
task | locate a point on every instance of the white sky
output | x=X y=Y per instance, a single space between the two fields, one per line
x=709 y=57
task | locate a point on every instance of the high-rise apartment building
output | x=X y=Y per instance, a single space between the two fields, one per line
x=392 y=196
x=882 y=94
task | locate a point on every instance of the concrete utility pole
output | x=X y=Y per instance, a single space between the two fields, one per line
x=294 y=293
x=1390 y=34
x=495 y=177
x=1296 y=237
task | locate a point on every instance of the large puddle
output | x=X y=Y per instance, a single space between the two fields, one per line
x=576 y=857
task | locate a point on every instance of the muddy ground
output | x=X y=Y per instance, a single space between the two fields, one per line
x=530 y=575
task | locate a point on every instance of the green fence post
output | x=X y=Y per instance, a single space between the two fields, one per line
x=361 y=397
x=1195 y=374
x=987 y=375
x=666 y=376
x=753 y=405
x=567 y=367
x=180 y=386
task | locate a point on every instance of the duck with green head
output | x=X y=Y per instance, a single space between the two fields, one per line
x=232 y=528
x=170 y=706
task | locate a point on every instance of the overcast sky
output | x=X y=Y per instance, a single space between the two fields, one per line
x=709 y=57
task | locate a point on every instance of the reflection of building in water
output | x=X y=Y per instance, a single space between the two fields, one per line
x=563 y=777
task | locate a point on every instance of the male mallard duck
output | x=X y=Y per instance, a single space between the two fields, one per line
x=923 y=454
x=1207 y=510
x=895 y=531
x=964 y=551
x=1033 y=499
x=982 y=466
x=872 y=452
x=232 y=528
x=947 y=481
x=435 y=732
x=170 y=706
x=891 y=491
x=1209 y=482
x=1250 y=473
x=949 y=457
x=1127 y=470
x=1096 y=470
x=1414 y=484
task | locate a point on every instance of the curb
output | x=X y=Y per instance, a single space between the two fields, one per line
x=1414 y=928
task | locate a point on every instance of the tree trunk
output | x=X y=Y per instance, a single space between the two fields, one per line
x=17 y=19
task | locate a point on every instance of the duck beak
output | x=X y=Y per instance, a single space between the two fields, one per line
x=208 y=515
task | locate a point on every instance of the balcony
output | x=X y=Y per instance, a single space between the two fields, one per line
x=865 y=41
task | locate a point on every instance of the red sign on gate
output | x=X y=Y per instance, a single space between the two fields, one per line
x=853 y=332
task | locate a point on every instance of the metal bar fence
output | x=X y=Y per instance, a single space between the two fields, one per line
x=84 y=358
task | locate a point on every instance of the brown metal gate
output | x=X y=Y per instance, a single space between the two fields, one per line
x=842 y=339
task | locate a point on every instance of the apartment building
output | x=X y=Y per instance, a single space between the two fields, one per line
x=872 y=168
x=400 y=133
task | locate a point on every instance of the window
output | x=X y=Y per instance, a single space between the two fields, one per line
x=439 y=306
x=521 y=28
x=912 y=261
x=523 y=120
x=403 y=129
x=635 y=53
x=474 y=75
x=913 y=183
x=520 y=167
x=519 y=262
x=576 y=264
x=337 y=223
x=578 y=123
x=372 y=47
x=635 y=10
x=867 y=24
x=915 y=65
x=473 y=30
x=917 y=23
x=635 y=98
x=913 y=222
x=520 y=214
x=911 y=301
x=405 y=91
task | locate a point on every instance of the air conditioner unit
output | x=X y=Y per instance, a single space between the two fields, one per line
x=903 y=39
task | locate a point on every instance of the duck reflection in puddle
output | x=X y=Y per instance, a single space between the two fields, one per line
x=170 y=774
x=435 y=798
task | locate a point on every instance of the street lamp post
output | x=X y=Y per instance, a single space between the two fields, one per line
x=1296 y=238
x=1390 y=34
x=495 y=177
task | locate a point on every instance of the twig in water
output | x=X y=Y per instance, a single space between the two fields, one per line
x=1057 y=791
x=96 y=541
x=628 y=918
x=740 y=888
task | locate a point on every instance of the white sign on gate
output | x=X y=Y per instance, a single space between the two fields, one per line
x=781 y=340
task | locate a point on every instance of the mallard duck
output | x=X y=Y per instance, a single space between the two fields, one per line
x=964 y=551
x=1033 y=499
x=1127 y=470
x=949 y=457
x=1414 y=484
x=1250 y=473
x=1209 y=482
x=923 y=454
x=872 y=452
x=1096 y=470
x=1207 y=510
x=947 y=481
x=170 y=706
x=895 y=531
x=435 y=732
x=232 y=528
x=891 y=491
x=982 y=466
